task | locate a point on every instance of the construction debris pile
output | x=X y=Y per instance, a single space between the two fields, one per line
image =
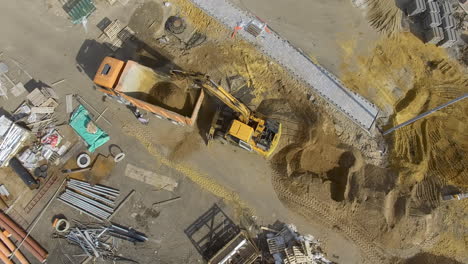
x=11 y=136
x=37 y=115
x=97 y=201
x=98 y=241
x=289 y=247
x=29 y=138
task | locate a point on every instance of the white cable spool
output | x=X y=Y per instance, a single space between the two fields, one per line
x=58 y=225
x=119 y=157
x=83 y=160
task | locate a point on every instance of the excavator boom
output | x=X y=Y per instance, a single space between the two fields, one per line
x=240 y=125
x=214 y=89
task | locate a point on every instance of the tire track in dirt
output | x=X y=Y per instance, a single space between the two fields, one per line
x=310 y=207
x=313 y=207
x=201 y=179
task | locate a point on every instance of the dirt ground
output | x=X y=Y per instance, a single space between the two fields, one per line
x=369 y=200
x=316 y=27
x=376 y=202
x=203 y=176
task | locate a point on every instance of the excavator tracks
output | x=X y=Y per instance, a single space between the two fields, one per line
x=310 y=207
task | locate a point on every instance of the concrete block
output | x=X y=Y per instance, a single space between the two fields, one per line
x=416 y=7
x=448 y=22
x=433 y=7
x=446 y=8
x=432 y=20
x=434 y=35
x=451 y=37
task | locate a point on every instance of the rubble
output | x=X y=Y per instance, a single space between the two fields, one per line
x=99 y=241
x=12 y=136
x=289 y=247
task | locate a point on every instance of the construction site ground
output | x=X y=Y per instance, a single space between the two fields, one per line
x=361 y=196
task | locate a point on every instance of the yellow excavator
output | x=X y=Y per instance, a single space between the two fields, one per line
x=236 y=123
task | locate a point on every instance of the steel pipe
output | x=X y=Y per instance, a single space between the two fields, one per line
x=14 y=232
x=109 y=189
x=99 y=192
x=5 y=250
x=22 y=233
x=96 y=187
x=88 y=207
x=85 y=206
x=12 y=247
x=92 y=209
x=92 y=195
x=91 y=201
x=5 y=259
x=79 y=209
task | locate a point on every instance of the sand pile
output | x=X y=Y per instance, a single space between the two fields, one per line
x=239 y=58
x=405 y=78
x=199 y=19
x=310 y=151
x=169 y=94
x=190 y=143
x=427 y=258
x=385 y=16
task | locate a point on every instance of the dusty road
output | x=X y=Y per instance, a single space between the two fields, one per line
x=39 y=36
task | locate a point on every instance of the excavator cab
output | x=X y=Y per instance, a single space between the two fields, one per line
x=259 y=135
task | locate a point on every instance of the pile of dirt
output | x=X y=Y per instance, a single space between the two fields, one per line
x=173 y=95
x=427 y=258
x=412 y=78
x=385 y=16
x=310 y=158
x=319 y=173
x=405 y=78
x=312 y=151
x=190 y=143
x=199 y=19
x=169 y=94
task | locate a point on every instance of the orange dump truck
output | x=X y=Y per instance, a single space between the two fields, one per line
x=151 y=90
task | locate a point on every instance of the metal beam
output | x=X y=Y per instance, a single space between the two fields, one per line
x=412 y=120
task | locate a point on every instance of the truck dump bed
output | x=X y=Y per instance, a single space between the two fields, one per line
x=158 y=93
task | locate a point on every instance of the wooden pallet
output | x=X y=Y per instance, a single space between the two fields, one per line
x=113 y=29
x=125 y=34
x=114 y=45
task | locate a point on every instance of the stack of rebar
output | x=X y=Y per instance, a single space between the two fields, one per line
x=97 y=201
x=99 y=241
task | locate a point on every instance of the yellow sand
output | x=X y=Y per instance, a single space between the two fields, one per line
x=405 y=77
